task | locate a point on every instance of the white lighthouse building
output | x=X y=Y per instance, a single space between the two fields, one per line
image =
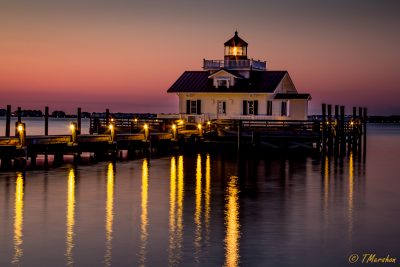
x=238 y=88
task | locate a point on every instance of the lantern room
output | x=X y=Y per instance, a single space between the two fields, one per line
x=235 y=48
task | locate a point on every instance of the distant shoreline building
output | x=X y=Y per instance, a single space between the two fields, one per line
x=238 y=88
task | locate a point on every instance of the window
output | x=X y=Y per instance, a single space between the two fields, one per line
x=284 y=109
x=269 y=108
x=193 y=106
x=223 y=82
x=221 y=107
x=250 y=107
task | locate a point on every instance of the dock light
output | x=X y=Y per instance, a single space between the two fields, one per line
x=72 y=127
x=146 y=126
x=20 y=128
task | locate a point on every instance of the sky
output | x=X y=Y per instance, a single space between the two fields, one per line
x=124 y=54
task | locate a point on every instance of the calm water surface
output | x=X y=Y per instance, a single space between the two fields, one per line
x=206 y=210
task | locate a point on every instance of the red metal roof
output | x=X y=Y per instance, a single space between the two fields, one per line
x=198 y=82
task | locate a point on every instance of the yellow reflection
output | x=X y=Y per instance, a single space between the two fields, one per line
x=172 y=214
x=18 y=219
x=232 y=223
x=144 y=216
x=207 y=196
x=70 y=217
x=326 y=185
x=175 y=213
x=197 y=215
x=351 y=193
x=109 y=213
x=179 y=213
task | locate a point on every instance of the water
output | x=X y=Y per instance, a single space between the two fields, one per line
x=206 y=210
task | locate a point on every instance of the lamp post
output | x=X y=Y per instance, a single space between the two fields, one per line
x=73 y=127
x=146 y=131
x=199 y=126
x=21 y=131
x=173 y=131
x=111 y=127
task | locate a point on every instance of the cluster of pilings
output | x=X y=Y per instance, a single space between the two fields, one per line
x=46 y=121
x=343 y=134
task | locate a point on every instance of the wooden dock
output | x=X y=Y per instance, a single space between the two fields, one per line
x=334 y=134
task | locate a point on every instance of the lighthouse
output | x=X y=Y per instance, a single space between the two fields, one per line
x=238 y=87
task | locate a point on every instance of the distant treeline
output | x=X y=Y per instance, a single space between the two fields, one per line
x=62 y=114
x=39 y=113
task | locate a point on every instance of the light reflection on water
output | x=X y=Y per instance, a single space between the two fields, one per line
x=232 y=223
x=69 y=237
x=109 y=213
x=18 y=219
x=144 y=215
x=203 y=209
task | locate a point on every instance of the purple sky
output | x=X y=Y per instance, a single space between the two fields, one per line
x=124 y=55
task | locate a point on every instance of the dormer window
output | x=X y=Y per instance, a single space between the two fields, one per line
x=223 y=82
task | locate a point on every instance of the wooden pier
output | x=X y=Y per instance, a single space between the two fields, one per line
x=333 y=134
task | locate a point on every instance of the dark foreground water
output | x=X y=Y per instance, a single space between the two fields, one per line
x=206 y=210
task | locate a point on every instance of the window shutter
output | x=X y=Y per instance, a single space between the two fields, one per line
x=198 y=107
x=255 y=107
x=187 y=106
x=244 y=107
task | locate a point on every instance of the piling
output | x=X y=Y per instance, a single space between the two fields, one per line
x=107 y=116
x=239 y=128
x=323 y=128
x=336 y=151
x=365 y=134
x=330 y=132
x=19 y=114
x=342 y=133
x=8 y=120
x=46 y=121
x=79 y=120
x=353 y=132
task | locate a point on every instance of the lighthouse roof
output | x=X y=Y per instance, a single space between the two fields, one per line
x=236 y=41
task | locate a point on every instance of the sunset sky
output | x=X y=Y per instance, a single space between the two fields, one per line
x=124 y=54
